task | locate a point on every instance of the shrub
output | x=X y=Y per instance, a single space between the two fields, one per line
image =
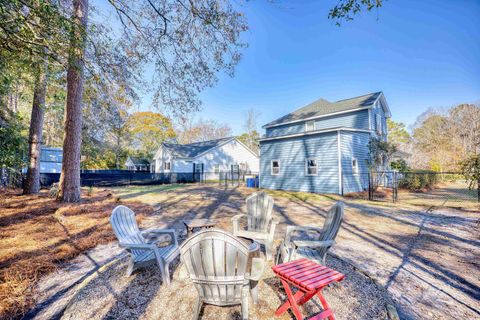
x=418 y=180
x=399 y=165
x=54 y=190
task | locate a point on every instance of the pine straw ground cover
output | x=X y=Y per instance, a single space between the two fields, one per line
x=38 y=233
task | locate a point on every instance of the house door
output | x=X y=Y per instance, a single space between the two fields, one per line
x=197 y=172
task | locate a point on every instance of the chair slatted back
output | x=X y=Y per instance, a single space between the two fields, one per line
x=259 y=211
x=216 y=262
x=333 y=220
x=125 y=227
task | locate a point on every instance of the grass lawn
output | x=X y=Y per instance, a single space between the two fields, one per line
x=150 y=194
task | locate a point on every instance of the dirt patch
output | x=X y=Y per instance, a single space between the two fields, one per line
x=38 y=234
x=113 y=296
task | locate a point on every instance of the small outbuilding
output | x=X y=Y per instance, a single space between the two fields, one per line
x=137 y=164
x=51 y=159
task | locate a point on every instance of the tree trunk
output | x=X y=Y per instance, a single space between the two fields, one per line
x=72 y=140
x=32 y=180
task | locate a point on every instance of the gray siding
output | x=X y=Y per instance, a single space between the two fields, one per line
x=379 y=110
x=292 y=154
x=287 y=129
x=354 y=145
x=356 y=119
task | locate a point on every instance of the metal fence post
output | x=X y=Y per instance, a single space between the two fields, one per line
x=478 y=190
x=394 y=186
x=370 y=196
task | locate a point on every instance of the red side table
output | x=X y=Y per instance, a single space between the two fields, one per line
x=309 y=278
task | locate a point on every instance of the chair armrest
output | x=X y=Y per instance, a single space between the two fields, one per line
x=258 y=267
x=238 y=216
x=235 y=221
x=170 y=232
x=137 y=246
x=273 y=223
x=292 y=229
x=313 y=244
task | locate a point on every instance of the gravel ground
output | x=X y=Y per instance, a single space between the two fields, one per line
x=426 y=259
x=113 y=296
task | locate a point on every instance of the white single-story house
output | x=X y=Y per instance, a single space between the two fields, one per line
x=210 y=157
x=137 y=164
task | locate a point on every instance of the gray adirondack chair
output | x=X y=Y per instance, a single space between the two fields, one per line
x=260 y=223
x=143 y=245
x=316 y=248
x=217 y=263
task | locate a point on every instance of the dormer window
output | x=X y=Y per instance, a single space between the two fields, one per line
x=310 y=125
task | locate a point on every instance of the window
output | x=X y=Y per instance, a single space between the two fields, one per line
x=51 y=156
x=310 y=125
x=216 y=168
x=243 y=166
x=378 y=125
x=311 y=167
x=275 y=167
x=166 y=165
x=354 y=166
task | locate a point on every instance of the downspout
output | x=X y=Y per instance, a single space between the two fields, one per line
x=259 y=163
x=339 y=155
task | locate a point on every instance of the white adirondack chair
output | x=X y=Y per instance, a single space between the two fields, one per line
x=315 y=248
x=142 y=245
x=217 y=263
x=260 y=223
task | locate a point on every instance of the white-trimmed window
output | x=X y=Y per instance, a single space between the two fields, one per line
x=166 y=166
x=275 y=167
x=378 y=124
x=216 y=168
x=310 y=125
x=354 y=166
x=311 y=167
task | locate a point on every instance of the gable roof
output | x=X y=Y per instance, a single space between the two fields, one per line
x=192 y=150
x=322 y=107
x=139 y=161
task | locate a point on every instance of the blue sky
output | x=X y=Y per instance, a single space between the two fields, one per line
x=421 y=54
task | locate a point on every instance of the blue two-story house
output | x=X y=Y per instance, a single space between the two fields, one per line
x=323 y=147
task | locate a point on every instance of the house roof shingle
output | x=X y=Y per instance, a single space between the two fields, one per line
x=192 y=150
x=139 y=161
x=323 y=107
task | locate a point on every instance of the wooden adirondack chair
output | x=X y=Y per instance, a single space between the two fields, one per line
x=142 y=245
x=260 y=224
x=217 y=263
x=314 y=249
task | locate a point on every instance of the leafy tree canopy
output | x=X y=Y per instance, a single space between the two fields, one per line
x=345 y=10
x=148 y=130
x=470 y=168
x=12 y=142
x=202 y=130
x=397 y=133
x=380 y=152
